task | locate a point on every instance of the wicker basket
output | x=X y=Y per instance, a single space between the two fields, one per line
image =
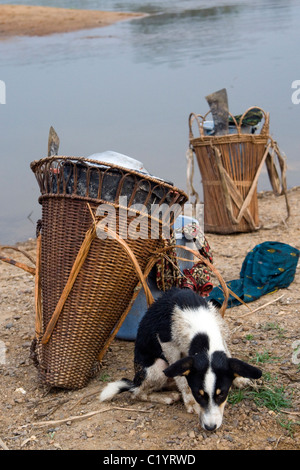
x=86 y=284
x=230 y=165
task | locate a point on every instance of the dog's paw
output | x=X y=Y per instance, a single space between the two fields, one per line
x=241 y=382
x=165 y=398
x=172 y=398
x=192 y=406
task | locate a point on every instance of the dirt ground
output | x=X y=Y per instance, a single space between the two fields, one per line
x=76 y=419
x=24 y=20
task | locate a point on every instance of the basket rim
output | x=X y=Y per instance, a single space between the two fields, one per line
x=37 y=163
x=199 y=117
x=229 y=139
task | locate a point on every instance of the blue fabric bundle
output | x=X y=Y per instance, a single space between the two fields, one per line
x=268 y=267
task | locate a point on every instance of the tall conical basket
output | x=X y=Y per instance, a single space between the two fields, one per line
x=88 y=267
x=230 y=165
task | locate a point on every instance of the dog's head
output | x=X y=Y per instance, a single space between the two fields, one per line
x=210 y=379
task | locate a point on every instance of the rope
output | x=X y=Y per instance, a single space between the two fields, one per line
x=190 y=176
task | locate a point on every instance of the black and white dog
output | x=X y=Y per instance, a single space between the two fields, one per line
x=182 y=336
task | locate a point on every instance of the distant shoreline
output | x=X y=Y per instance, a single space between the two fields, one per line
x=22 y=20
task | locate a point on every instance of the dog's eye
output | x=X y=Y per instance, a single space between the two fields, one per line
x=220 y=395
x=202 y=395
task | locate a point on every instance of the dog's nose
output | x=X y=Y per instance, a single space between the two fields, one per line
x=210 y=428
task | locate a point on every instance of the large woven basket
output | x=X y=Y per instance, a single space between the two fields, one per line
x=86 y=284
x=230 y=165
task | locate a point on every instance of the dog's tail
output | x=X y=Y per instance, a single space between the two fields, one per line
x=114 y=388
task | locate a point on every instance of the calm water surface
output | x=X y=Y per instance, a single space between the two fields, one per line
x=130 y=88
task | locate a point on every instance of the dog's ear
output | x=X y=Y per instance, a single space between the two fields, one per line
x=215 y=303
x=242 y=369
x=180 y=367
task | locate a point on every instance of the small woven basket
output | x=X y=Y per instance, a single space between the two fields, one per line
x=230 y=165
x=85 y=284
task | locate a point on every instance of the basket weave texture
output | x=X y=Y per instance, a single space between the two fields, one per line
x=230 y=165
x=71 y=191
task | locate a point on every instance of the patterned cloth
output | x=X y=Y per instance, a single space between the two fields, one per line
x=168 y=273
x=268 y=267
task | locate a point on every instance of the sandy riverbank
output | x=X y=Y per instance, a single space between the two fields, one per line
x=265 y=337
x=21 y=20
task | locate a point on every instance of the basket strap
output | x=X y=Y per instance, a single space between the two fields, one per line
x=38 y=289
x=191 y=191
x=279 y=186
x=231 y=192
x=253 y=185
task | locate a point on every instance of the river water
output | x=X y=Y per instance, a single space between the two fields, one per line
x=130 y=87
